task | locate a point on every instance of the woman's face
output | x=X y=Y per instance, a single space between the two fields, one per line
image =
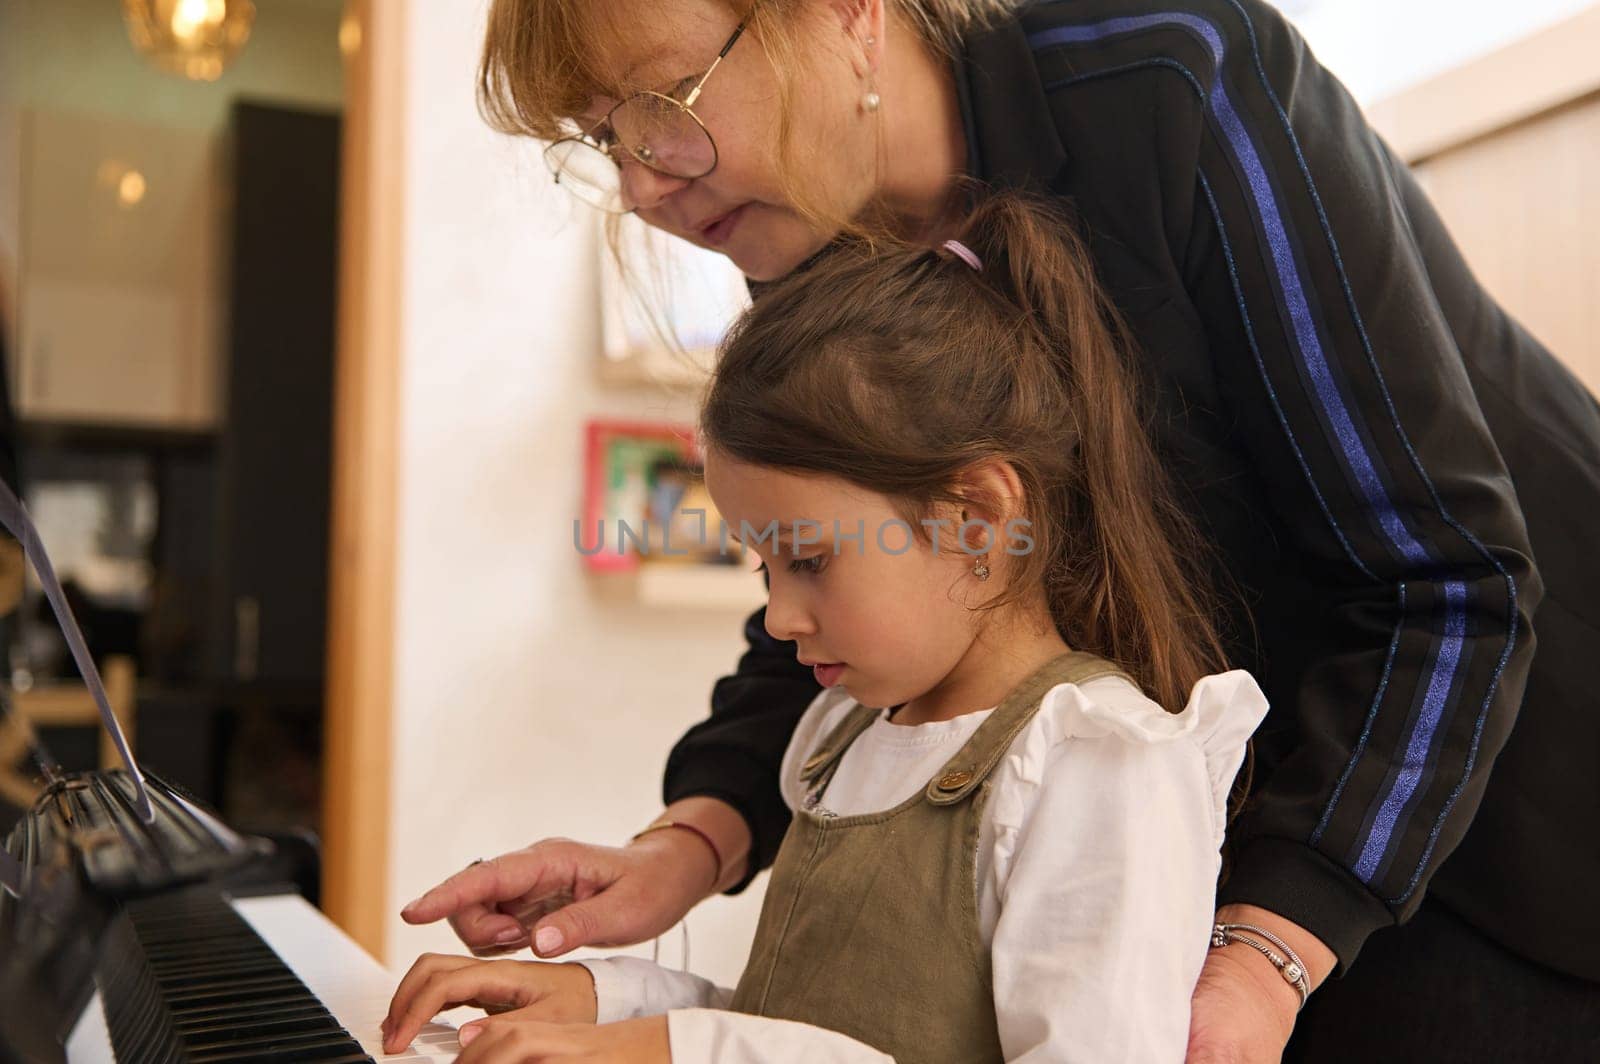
x=887 y=616
x=742 y=208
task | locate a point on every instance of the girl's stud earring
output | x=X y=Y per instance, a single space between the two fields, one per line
x=870 y=102
x=981 y=570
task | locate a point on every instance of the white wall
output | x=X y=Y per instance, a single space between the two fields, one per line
x=528 y=703
x=1380 y=47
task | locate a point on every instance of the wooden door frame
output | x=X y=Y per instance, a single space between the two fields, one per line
x=358 y=748
x=1547 y=69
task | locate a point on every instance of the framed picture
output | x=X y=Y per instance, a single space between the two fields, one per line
x=645 y=501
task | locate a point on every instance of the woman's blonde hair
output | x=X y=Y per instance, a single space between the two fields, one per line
x=541 y=64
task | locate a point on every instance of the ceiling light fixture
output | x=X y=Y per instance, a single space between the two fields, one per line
x=194 y=38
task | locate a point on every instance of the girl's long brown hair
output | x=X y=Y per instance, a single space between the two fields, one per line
x=897 y=368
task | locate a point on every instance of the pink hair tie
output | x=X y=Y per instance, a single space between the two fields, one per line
x=964 y=253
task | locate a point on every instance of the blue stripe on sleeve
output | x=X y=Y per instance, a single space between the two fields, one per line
x=1360 y=463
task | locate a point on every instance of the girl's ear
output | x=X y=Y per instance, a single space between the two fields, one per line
x=993 y=490
x=863 y=24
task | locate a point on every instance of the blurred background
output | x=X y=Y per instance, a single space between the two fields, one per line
x=307 y=368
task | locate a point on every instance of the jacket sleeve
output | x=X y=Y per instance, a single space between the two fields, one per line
x=735 y=753
x=1352 y=400
x=1366 y=426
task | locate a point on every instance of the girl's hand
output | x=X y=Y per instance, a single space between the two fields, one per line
x=556 y=993
x=510 y=1039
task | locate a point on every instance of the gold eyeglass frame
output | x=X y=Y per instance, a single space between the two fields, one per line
x=587 y=138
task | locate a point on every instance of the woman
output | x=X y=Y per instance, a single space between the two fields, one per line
x=1376 y=448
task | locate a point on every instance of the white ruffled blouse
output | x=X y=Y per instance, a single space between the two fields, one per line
x=1097 y=863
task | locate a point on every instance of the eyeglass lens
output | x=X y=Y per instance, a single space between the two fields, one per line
x=660 y=133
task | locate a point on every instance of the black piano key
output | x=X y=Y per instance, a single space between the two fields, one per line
x=140 y=1025
x=214 y=968
x=181 y=989
x=255 y=1035
x=312 y=1046
x=243 y=1004
x=326 y=1054
x=200 y=1013
x=202 y=986
x=295 y=1017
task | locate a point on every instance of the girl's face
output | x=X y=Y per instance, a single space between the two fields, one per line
x=886 y=615
x=741 y=208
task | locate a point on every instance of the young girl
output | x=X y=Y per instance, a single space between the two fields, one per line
x=1004 y=846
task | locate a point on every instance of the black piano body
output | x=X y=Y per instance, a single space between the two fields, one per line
x=138 y=912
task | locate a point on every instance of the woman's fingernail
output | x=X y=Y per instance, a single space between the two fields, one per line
x=412 y=904
x=510 y=935
x=468 y=1033
x=548 y=940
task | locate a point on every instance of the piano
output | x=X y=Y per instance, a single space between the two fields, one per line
x=120 y=939
x=124 y=943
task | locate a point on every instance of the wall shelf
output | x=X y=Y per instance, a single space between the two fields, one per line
x=730 y=587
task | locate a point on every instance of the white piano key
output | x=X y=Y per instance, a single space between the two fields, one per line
x=90 y=1042
x=349 y=983
x=353 y=986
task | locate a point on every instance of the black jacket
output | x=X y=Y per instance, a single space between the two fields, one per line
x=1379 y=451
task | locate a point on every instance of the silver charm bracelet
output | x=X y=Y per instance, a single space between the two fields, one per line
x=1288 y=963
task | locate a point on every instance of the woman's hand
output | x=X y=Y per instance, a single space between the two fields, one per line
x=555 y=993
x=559 y=894
x=1243 y=1012
x=1235 y=1018
x=510 y=1039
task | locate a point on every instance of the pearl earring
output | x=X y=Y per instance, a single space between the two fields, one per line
x=981 y=570
x=870 y=102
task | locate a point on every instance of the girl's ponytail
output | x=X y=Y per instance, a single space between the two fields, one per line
x=1128 y=581
x=898 y=368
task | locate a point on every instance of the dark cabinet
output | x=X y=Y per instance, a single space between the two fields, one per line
x=274 y=452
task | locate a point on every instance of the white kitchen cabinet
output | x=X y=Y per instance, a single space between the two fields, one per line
x=120 y=293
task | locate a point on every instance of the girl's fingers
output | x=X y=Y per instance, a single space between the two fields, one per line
x=446 y=982
x=550 y=1005
x=501 y=1041
x=420 y=971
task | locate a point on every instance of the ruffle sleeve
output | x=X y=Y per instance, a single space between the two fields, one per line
x=1223 y=711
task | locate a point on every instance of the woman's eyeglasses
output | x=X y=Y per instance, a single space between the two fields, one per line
x=651 y=128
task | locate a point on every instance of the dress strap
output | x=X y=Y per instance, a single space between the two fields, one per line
x=980 y=754
x=819 y=768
